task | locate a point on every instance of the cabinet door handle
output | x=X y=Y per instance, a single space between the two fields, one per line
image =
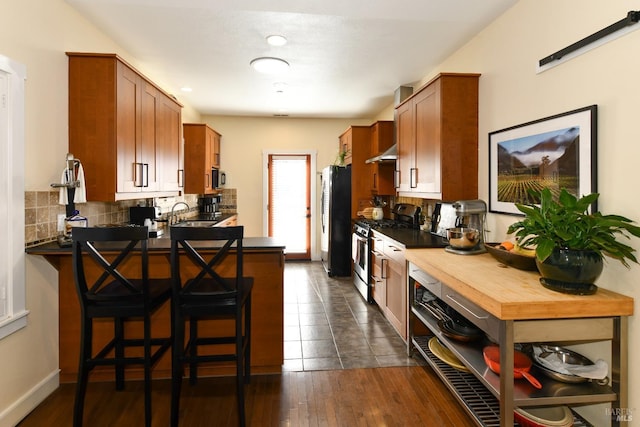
x=375 y=181
x=180 y=177
x=459 y=304
x=206 y=181
x=145 y=175
x=396 y=178
x=395 y=249
x=383 y=270
x=413 y=178
x=138 y=175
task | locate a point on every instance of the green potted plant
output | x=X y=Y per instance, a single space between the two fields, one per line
x=570 y=243
x=340 y=158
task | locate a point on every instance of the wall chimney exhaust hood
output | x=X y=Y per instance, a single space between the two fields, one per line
x=391 y=154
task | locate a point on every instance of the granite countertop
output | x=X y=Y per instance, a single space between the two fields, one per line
x=163 y=242
x=412 y=238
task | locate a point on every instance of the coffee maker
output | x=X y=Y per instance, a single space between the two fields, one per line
x=471 y=214
x=208 y=205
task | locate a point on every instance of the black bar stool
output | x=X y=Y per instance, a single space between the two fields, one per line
x=208 y=283
x=114 y=295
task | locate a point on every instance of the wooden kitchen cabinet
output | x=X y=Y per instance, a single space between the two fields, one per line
x=437 y=137
x=345 y=145
x=389 y=280
x=378 y=274
x=382 y=172
x=359 y=139
x=123 y=128
x=232 y=221
x=169 y=154
x=396 y=305
x=202 y=156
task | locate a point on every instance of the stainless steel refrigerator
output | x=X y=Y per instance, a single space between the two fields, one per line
x=335 y=242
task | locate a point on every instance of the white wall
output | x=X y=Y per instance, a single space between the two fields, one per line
x=245 y=138
x=506 y=53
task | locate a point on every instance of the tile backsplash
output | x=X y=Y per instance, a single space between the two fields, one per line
x=42 y=209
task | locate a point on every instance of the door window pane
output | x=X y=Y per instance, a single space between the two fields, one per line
x=289 y=201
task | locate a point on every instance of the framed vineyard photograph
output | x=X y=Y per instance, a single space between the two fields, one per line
x=554 y=152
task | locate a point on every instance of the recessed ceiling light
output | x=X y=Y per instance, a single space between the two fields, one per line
x=276 y=40
x=186 y=89
x=270 y=65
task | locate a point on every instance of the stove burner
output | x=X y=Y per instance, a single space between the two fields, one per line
x=405 y=216
x=383 y=223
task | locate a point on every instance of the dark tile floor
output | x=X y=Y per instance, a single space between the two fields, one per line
x=328 y=325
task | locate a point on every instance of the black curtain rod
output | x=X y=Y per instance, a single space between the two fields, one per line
x=632 y=18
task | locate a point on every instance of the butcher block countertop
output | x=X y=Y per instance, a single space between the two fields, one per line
x=512 y=294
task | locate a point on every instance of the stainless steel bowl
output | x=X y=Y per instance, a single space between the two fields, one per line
x=463 y=238
x=565 y=356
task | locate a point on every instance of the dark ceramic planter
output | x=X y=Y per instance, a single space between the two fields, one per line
x=571 y=271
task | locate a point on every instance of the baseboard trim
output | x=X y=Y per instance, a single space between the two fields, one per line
x=15 y=412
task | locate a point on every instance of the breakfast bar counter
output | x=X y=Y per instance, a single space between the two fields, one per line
x=263 y=260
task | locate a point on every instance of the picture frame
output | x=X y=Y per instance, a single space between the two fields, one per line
x=554 y=152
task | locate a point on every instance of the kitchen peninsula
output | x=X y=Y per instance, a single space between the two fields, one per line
x=263 y=260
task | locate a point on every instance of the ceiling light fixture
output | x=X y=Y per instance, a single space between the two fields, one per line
x=186 y=89
x=276 y=40
x=269 y=65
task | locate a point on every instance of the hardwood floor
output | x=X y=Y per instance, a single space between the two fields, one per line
x=357 y=374
x=393 y=396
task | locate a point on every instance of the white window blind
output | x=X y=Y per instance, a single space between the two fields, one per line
x=12 y=256
x=4 y=186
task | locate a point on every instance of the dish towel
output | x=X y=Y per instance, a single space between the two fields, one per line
x=597 y=371
x=81 y=190
x=354 y=247
x=80 y=195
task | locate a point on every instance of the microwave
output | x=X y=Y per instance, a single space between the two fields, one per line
x=217 y=178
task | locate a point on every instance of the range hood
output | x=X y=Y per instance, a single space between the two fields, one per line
x=390 y=155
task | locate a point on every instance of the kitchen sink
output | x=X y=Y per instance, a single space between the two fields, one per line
x=192 y=223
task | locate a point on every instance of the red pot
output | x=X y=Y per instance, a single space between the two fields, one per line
x=521 y=364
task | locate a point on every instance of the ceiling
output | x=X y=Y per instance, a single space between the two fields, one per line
x=346 y=56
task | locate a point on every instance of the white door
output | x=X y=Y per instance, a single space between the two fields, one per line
x=289 y=208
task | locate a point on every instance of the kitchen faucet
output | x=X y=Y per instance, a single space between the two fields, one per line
x=173 y=217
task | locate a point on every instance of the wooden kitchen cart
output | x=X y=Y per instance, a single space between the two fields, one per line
x=511 y=307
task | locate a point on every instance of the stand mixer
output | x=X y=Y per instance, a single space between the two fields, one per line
x=470 y=214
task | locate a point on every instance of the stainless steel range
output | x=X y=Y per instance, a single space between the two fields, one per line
x=361 y=259
x=404 y=216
